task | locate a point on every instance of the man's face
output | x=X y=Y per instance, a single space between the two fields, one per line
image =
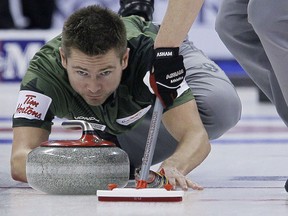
x=95 y=78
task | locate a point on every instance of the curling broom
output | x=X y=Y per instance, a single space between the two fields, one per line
x=141 y=193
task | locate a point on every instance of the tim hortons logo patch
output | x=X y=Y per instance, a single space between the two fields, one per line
x=32 y=105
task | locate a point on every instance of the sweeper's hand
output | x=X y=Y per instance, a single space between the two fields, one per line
x=176 y=178
x=167 y=74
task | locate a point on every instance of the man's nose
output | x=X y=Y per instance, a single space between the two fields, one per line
x=94 y=85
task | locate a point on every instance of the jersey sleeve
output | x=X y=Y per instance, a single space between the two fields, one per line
x=33 y=109
x=41 y=90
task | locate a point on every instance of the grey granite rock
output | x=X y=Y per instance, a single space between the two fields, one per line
x=76 y=170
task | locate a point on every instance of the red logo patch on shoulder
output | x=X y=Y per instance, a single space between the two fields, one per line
x=32 y=105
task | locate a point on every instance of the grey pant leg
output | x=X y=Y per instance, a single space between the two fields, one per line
x=243 y=42
x=218 y=104
x=272 y=30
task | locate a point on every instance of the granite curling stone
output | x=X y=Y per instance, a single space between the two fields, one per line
x=77 y=167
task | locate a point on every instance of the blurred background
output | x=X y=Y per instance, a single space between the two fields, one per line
x=25 y=25
x=253 y=186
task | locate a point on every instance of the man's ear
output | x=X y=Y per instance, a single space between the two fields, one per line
x=125 y=59
x=63 y=58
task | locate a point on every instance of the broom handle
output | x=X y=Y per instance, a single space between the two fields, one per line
x=151 y=140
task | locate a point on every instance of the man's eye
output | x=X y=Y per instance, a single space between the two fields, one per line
x=82 y=73
x=105 y=73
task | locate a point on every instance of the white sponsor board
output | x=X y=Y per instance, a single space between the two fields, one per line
x=18 y=47
x=202 y=33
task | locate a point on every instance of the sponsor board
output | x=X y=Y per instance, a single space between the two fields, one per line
x=17 y=49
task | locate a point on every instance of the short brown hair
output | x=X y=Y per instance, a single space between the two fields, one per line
x=94 y=30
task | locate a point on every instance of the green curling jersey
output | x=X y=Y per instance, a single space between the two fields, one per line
x=46 y=92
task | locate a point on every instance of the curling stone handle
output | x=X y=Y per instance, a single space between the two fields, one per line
x=89 y=136
x=75 y=124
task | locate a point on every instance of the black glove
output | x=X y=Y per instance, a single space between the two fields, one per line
x=169 y=72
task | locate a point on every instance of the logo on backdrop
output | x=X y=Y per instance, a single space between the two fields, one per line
x=15 y=56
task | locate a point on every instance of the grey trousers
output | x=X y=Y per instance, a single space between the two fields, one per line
x=217 y=100
x=256 y=33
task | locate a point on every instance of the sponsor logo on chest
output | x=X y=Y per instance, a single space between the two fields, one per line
x=133 y=118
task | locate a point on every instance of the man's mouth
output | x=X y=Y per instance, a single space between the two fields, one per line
x=94 y=97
